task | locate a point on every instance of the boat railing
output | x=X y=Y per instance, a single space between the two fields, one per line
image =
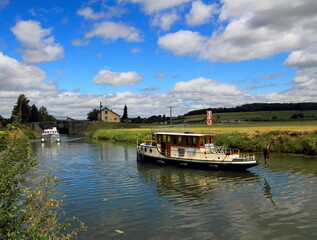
x=248 y=156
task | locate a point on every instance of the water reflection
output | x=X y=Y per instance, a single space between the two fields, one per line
x=109 y=190
x=267 y=191
x=193 y=185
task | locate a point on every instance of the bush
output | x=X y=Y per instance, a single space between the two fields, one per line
x=27 y=213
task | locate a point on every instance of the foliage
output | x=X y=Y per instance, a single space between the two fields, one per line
x=27 y=213
x=93 y=115
x=259 y=107
x=44 y=116
x=125 y=113
x=285 y=142
x=34 y=114
x=21 y=109
x=29 y=113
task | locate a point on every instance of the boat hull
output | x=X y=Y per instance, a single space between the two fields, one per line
x=51 y=138
x=190 y=163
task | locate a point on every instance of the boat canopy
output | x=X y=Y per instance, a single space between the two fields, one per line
x=193 y=140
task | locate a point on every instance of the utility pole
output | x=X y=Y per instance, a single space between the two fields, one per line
x=170 y=115
x=100 y=106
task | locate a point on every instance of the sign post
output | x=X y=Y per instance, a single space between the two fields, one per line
x=209 y=118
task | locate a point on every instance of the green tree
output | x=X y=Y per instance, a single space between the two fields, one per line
x=21 y=109
x=34 y=114
x=93 y=115
x=44 y=115
x=125 y=113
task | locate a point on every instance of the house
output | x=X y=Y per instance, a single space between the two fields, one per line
x=108 y=115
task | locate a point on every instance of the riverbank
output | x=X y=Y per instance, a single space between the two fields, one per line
x=299 y=139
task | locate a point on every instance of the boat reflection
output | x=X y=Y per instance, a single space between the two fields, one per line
x=181 y=185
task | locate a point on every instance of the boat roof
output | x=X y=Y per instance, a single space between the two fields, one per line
x=189 y=134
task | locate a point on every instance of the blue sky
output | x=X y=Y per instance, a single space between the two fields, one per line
x=150 y=55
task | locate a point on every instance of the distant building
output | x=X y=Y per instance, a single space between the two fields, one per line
x=108 y=115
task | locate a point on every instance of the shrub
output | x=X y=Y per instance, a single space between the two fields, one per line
x=27 y=213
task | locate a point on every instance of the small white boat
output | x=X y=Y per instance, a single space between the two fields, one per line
x=50 y=135
x=193 y=151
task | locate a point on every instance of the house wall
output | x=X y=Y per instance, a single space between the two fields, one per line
x=109 y=116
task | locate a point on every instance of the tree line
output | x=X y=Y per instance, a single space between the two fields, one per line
x=255 y=107
x=26 y=113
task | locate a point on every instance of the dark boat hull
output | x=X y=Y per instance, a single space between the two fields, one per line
x=187 y=163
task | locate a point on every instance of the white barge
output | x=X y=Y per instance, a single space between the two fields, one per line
x=50 y=135
x=193 y=151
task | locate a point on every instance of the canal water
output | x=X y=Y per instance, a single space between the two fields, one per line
x=108 y=190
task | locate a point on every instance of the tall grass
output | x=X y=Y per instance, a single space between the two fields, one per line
x=122 y=135
x=285 y=142
x=301 y=143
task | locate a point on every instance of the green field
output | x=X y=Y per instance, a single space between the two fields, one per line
x=253 y=127
x=255 y=116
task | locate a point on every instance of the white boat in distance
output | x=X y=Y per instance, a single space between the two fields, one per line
x=193 y=151
x=50 y=135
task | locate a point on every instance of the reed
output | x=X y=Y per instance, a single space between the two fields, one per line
x=248 y=139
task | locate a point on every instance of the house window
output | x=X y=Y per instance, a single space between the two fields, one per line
x=106 y=118
x=106 y=112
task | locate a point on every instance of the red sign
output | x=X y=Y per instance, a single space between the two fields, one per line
x=209 y=118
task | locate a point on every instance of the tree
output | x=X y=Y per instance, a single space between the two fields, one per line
x=93 y=115
x=34 y=114
x=125 y=113
x=21 y=109
x=44 y=115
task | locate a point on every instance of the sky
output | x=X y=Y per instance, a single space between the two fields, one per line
x=155 y=54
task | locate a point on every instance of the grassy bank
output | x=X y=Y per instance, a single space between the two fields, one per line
x=288 y=137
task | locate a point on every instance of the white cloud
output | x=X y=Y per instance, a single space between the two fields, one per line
x=151 y=6
x=136 y=50
x=80 y=42
x=165 y=20
x=39 y=46
x=114 y=31
x=16 y=75
x=304 y=58
x=207 y=90
x=117 y=78
x=88 y=13
x=200 y=13
x=252 y=30
x=160 y=75
x=183 y=42
x=108 y=12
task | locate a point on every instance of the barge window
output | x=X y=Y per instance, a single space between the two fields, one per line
x=179 y=140
x=194 y=141
x=164 y=138
x=168 y=140
x=188 y=141
x=174 y=140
